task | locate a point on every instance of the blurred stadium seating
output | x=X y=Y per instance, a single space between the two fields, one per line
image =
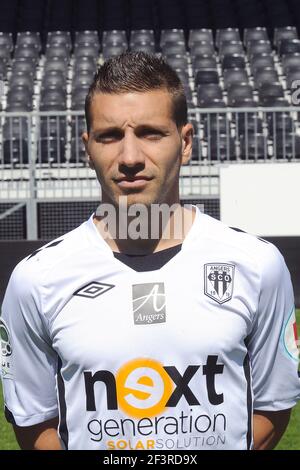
x=226 y=55
x=238 y=61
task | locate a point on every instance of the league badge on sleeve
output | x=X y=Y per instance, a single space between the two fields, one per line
x=290 y=337
x=218 y=281
x=6 y=352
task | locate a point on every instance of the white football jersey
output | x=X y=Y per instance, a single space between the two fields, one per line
x=171 y=358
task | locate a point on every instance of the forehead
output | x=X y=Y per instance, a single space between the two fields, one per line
x=153 y=107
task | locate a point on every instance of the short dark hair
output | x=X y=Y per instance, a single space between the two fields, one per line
x=138 y=72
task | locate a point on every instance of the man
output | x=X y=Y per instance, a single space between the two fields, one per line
x=178 y=341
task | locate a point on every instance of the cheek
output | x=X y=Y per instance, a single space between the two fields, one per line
x=164 y=155
x=102 y=160
x=102 y=172
x=170 y=161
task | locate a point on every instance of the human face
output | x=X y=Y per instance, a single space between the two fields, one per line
x=136 y=148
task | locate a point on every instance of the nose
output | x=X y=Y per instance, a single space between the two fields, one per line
x=131 y=154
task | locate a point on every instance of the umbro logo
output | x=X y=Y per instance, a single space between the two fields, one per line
x=93 y=290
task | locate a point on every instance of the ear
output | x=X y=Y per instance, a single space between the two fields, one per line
x=85 y=140
x=187 y=133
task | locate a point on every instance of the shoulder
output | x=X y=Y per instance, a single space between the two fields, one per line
x=260 y=252
x=30 y=272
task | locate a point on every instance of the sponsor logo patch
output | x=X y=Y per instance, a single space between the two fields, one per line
x=149 y=303
x=6 y=352
x=218 y=281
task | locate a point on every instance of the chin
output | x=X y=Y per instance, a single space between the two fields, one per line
x=139 y=198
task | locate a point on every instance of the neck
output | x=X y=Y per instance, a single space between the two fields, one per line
x=152 y=229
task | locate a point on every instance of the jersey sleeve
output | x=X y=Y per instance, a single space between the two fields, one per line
x=272 y=343
x=29 y=363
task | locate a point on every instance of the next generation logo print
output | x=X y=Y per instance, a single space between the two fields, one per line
x=219 y=281
x=144 y=389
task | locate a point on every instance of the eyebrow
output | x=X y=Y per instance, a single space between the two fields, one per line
x=139 y=129
x=151 y=127
x=106 y=130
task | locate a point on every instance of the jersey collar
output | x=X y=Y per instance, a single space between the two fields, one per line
x=98 y=240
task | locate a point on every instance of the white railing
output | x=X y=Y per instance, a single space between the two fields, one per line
x=42 y=156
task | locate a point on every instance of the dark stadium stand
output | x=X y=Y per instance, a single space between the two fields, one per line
x=224 y=72
x=51 y=71
x=236 y=53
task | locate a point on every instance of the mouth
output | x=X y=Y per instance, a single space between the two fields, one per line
x=130 y=182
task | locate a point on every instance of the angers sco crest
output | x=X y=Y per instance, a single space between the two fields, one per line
x=218 y=281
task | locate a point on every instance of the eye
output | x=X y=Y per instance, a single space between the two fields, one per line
x=152 y=134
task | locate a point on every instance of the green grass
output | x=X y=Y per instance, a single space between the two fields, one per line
x=290 y=440
x=7 y=437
